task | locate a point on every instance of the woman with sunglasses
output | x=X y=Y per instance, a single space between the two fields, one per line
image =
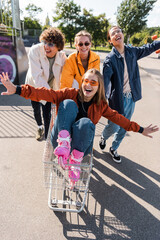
x=79 y=62
x=45 y=66
x=78 y=111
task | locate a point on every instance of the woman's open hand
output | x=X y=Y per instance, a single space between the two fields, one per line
x=11 y=88
x=150 y=129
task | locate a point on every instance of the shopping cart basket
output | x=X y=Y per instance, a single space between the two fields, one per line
x=61 y=197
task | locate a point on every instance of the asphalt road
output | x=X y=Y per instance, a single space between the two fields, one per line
x=123 y=200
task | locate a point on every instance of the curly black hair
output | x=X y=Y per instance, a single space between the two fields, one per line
x=53 y=35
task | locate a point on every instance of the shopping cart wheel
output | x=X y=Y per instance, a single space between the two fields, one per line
x=54 y=205
x=54 y=202
x=78 y=205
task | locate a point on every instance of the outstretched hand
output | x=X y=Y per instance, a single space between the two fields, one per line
x=11 y=88
x=150 y=129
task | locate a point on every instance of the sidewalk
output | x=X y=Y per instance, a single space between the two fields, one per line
x=151 y=65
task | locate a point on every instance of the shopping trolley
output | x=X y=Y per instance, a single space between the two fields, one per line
x=61 y=197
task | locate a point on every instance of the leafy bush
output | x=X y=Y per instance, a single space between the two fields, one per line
x=144 y=37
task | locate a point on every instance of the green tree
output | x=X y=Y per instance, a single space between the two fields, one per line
x=6 y=13
x=137 y=38
x=32 y=26
x=154 y=31
x=95 y=25
x=31 y=22
x=145 y=36
x=33 y=10
x=67 y=14
x=132 y=15
x=70 y=22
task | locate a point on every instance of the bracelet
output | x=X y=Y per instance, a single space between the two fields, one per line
x=141 y=129
x=18 y=90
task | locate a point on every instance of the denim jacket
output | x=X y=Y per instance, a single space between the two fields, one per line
x=113 y=72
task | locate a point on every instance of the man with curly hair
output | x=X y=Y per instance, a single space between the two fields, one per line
x=46 y=61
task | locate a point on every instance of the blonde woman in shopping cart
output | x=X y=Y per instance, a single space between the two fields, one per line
x=78 y=111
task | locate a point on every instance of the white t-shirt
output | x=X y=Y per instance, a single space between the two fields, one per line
x=126 y=85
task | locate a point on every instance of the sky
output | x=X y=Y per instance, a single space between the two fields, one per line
x=109 y=7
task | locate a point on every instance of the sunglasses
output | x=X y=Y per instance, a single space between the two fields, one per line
x=48 y=43
x=92 y=82
x=81 y=44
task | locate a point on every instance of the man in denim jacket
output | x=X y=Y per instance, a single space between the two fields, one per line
x=122 y=83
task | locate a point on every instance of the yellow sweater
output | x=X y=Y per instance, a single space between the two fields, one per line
x=74 y=70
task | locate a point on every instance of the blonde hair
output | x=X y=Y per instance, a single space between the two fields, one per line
x=82 y=33
x=100 y=94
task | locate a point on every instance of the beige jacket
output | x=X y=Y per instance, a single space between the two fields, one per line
x=38 y=72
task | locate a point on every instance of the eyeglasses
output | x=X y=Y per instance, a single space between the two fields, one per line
x=92 y=82
x=116 y=31
x=81 y=44
x=49 y=44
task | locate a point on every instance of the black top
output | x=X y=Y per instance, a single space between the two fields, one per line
x=83 y=109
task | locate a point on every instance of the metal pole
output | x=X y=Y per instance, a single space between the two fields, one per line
x=16 y=14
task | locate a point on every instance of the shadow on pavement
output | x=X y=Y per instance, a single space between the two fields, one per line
x=14 y=99
x=16 y=117
x=123 y=205
x=17 y=122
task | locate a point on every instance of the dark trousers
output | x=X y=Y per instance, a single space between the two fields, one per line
x=46 y=111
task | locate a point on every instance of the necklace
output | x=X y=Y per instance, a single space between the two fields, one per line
x=83 y=107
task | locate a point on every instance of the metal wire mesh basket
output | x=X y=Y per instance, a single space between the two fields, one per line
x=61 y=196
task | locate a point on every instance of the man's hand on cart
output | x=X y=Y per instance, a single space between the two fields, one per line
x=11 y=88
